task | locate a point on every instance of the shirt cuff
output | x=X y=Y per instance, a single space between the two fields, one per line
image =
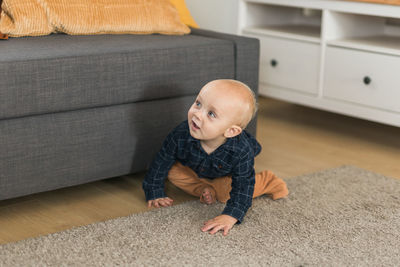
x=154 y=194
x=235 y=213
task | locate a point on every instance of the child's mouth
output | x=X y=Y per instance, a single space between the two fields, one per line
x=195 y=126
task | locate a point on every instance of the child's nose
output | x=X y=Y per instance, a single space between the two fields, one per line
x=198 y=115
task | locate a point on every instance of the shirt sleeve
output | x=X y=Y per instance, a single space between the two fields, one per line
x=153 y=183
x=241 y=195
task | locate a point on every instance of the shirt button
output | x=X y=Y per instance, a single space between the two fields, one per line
x=220 y=166
x=202 y=169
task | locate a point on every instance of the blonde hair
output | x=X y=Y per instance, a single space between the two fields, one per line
x=253 y=102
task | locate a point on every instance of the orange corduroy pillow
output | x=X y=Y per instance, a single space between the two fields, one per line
x=81 y=17
x=184 y=13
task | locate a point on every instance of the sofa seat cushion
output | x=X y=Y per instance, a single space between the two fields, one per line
x=60 y=72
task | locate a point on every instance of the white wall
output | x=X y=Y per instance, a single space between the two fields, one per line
x=216 y=15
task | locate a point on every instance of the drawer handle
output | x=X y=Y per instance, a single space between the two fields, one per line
x=367 y=80
x=274 y=62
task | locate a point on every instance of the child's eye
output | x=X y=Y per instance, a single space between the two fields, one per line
x=197 y=103
x=211 y=114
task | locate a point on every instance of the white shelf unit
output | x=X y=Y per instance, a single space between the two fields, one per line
x=340 y=56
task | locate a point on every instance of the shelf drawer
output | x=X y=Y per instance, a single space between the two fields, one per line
x=365 y=78
x=289 y=63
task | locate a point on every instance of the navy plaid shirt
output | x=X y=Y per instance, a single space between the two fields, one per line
x=234 y=158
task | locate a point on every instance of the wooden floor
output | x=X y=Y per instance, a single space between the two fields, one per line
x=296 y=140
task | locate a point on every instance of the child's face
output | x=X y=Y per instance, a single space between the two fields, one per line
x=215 y=110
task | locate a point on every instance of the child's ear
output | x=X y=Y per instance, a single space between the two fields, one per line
x=233 y=131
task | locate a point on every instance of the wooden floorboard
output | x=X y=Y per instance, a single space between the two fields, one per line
x=296 y=140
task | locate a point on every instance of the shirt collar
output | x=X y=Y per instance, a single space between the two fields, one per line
x=228 y=146
x=191 y=139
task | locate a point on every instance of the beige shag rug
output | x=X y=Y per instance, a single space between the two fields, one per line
x=339 y=217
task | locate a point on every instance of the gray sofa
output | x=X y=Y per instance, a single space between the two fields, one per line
x=75 y=109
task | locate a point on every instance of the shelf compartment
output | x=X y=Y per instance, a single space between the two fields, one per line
x=303 y=32
x=284 y=21
x=384 y=44
x=364 y=32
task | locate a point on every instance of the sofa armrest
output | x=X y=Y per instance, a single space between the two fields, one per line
x=247 y=53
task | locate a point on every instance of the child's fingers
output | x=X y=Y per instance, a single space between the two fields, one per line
x=216 y=229
x=169 y=200
x=226 y=230
x=215 y=226
x=208 y=226
x=163 y=203
x=166 y=202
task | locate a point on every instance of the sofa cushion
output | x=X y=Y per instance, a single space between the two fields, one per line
x=184 y=13
x=42 y=17
x=62 y=72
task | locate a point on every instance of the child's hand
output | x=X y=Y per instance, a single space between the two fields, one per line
x=163 y=202
x=221 y=222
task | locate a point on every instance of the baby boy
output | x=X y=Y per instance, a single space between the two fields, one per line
x=212 y=144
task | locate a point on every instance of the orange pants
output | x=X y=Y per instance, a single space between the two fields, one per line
x=186 y=179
